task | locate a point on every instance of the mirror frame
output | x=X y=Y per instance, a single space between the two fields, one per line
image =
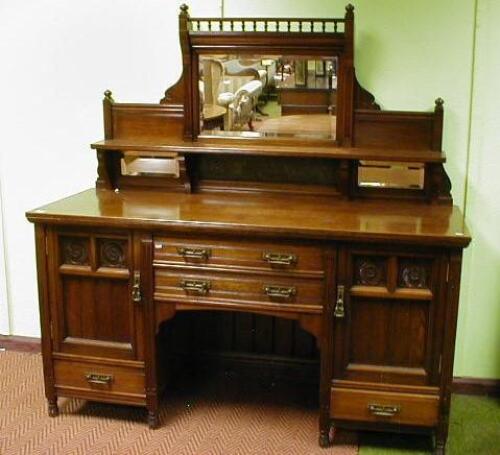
x=196 y=42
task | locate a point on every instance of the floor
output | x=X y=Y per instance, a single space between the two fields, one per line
x=321 y=125
x=205 y=417
x=474 y=429
x=209 y=420
x=307 y=125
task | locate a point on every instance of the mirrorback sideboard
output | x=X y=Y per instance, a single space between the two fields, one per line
x=269 y=188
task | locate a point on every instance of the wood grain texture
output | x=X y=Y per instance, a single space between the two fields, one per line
x=276 y=257
x=412 y=409
x=320 y=218
x=236 y=290
x=124 y=381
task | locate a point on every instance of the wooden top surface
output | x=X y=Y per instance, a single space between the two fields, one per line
x=261 y=215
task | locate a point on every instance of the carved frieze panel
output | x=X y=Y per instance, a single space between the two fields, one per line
x=370 y=270
x=75 y=250
x=112 y=253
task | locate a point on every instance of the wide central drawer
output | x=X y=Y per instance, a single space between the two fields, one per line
x=226 y=288
x=229 y=255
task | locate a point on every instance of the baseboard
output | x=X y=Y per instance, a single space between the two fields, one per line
x=461 y=385
x=22 y=344
x=476 y=386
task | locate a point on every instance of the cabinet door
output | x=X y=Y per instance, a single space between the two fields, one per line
x=390 y=329
x=91 y=282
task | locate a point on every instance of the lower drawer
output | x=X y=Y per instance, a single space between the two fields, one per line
x=99 y=381
x=388 y=407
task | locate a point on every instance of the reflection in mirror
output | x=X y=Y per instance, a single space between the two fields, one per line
x=382 y=174
x=268 y=96
x=133 y=164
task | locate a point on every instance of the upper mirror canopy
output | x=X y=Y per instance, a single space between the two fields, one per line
x=266 y=96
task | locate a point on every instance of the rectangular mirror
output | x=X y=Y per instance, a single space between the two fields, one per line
x=383 y=174
x=266 y=96
x=134 y=164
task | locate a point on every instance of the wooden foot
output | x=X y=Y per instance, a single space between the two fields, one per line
x=439 y=442
x=439 y=445
x=324 y=439
x=53 y=409
x=440 y=449
x=153 y=420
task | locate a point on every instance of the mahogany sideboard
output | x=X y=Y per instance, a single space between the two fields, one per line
x=283 y=228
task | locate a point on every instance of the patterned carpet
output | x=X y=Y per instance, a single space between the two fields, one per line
x=211 y=420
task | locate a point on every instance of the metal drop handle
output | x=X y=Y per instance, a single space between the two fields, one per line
x=339 y=311
x=136 y=288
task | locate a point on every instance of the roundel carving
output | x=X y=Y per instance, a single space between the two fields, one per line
x=75 y=251
x=112 y=253
x=414 y=276
x=370 y=272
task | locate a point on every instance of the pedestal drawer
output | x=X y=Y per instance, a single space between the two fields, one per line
x=210 y=287
x=236 y=254
x=388 y=407
x=121 y=384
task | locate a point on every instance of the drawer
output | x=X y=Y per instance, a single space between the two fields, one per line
x=92 y=379
x=239 y=255
x=206 y=286
x=388 y=407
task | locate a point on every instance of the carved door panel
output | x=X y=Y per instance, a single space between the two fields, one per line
x=91 y=285
x=389 y=317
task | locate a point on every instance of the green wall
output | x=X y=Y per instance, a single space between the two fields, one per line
x=478 y=343
x=407 y=54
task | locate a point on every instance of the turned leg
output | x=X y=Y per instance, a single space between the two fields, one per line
x=324 y=438
x=440 y=448
x=153 y=419
x=440 y=438
x=324 y=429
x=53 y=409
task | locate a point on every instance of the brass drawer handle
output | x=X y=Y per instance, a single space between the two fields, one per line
x=195 y=253
x=136 y=288
x=99 y=379
x=381 y=410
x=279 y=258
x=196 y=286
x=280 y=292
